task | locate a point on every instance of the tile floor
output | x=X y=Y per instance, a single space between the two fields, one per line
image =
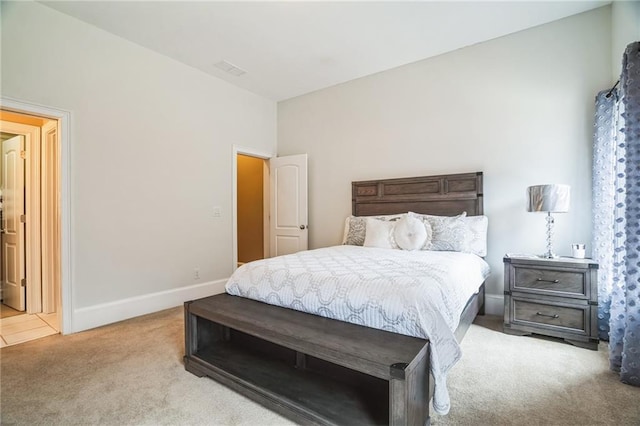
x=22 y=328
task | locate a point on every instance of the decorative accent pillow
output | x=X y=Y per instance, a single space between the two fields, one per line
x=476 y=234
x=355 y=228
x=466 y=234
x=379 y=234
x=412 y=233
x=449 y=232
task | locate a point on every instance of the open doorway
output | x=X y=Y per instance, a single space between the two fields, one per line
x=30 y=227
x=246 y=164
x=251 y=175
x=284 y=204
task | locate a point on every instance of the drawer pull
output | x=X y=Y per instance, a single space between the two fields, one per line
x=547 y=315
x=548 y=281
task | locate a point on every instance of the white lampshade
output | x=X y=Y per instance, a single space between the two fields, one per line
x=553 y=198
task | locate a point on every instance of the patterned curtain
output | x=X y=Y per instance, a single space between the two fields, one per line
x=616 y=217
x=606 y=152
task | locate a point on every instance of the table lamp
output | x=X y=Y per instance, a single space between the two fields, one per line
x=552 y=198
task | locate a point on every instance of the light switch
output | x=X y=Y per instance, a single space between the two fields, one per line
x=217 y=212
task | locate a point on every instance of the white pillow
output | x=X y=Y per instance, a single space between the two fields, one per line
x=379 y=234
x=355 y=228
x=411 y=233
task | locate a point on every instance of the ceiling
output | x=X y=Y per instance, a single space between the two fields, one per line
x=290 y=48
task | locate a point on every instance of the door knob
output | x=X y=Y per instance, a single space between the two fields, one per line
x=302 y=227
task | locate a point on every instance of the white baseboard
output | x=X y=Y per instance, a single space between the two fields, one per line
x=107 y=313
x=494 y=304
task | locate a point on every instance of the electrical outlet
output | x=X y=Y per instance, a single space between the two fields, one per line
x=217 y=212
x=196 y=274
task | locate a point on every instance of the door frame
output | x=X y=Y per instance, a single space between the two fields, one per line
x=234 y=198
x=49 y=220
x=64 y=126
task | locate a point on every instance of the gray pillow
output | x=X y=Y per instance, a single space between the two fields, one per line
x=449 y=233
x=466 y=234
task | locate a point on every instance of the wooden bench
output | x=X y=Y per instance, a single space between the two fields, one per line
x=311 y=369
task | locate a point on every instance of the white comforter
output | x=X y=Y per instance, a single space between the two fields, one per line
x=417 y=293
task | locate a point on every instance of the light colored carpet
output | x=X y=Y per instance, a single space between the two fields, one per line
x=523 y=380
x=131 y=373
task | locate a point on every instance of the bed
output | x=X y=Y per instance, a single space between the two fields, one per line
x=315 y=369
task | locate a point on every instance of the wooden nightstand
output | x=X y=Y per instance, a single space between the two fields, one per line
x=553 y=297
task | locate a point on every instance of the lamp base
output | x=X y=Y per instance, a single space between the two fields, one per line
x=548 y=256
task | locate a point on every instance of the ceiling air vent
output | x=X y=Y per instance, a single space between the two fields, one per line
x=230 y=68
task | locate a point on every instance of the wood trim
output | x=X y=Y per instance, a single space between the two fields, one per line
x=266 y=202
x=445 y=195
x=21 y=118
x=65 y=308
x=50 y=218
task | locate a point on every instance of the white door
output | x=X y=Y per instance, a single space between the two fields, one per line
x=288 y=204
x=12 y=210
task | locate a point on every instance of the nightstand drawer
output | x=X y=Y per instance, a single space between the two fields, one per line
x=529 y=312
x=553 y=297
x=550 y=281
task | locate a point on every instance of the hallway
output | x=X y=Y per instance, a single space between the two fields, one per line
x=17 y=327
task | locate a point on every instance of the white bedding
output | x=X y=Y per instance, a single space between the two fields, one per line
x=417 y=293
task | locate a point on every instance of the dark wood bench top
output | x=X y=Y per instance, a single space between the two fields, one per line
x=363 y=349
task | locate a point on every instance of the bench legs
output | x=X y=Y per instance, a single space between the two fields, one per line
x=409 y=394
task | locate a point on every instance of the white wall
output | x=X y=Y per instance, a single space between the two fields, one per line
x=625 y=29
x=151 y=155
x=519 y=108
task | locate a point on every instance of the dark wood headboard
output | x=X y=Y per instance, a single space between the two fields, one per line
x=443 y=195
